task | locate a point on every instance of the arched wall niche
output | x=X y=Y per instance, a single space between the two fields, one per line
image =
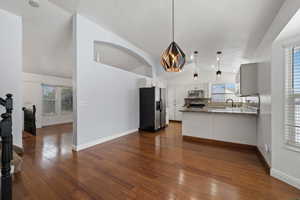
x=122 y=57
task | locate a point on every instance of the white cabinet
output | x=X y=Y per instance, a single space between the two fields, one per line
x=246 y=80
x=171 y=103
x=176 y=97
x=236 y=128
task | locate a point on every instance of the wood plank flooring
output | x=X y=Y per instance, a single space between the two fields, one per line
x=141 y=166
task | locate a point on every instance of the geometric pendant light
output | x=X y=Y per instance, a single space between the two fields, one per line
x=173 y=58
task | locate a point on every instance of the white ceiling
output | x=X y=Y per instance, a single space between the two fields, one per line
x=121 y=58
x=234 y=26
x=292 y=28
x=47 y=37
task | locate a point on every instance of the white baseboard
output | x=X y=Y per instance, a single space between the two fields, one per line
x=56 y=123
x=101 y=140
x=285 y=178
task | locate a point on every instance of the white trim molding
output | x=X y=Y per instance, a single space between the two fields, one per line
x=102 y=140
x=285 y=178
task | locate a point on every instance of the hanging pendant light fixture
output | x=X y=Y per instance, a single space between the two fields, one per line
x=196 y=76
x=173 y=58
x=219 y=72
x=195 y=58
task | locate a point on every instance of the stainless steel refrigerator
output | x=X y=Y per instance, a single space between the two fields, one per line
x=152 y=108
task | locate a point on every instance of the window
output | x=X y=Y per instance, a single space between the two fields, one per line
x=222 y=92
x=292 y=97
x=57 y=100
x=66 y=100
x=49 y=100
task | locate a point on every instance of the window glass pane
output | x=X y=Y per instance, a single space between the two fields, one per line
x=230 y=88
x=218 y=98
x=221 y=92
x=49 y=99
x=218 y=88
x=66 y=100
x=296 y=86
x=49 y=107
x=296 y=71
x=49 y=92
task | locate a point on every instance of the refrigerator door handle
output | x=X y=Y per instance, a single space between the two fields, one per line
x=160 y=106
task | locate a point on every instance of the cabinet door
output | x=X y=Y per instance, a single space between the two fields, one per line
x=180 y=95
x=178 y=114
x=248 y=79
x=171 y=103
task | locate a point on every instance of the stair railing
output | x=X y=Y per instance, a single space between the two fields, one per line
x=7 y=147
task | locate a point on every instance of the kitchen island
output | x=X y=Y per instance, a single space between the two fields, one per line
x=233 y=125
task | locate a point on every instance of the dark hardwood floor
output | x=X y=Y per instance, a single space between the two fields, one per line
x=141 y=166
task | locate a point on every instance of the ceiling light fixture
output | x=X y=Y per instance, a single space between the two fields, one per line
x=173 y=58
x=219 y=72
x=34 y=3
x=195 y=56
x=195 y=76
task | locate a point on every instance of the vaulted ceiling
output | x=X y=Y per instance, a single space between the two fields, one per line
x=234 y=26
x=47 y=37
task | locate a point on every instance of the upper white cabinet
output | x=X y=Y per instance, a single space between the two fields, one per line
x=246 y=80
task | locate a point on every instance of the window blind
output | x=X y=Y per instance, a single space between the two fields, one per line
x=292 y=97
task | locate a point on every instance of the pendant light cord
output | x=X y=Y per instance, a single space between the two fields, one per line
x=219 y=53
x=173 y=24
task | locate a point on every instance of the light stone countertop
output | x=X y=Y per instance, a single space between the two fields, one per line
x=228 y=110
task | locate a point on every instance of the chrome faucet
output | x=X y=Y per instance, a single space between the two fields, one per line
x=232 y=102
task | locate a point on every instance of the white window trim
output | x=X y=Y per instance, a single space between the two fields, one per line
x=286 y=144
x=58 y=110
x=292 y=148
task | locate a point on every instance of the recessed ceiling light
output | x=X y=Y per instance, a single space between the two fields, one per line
x=34 y=3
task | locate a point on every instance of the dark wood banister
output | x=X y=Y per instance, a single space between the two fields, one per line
x=7 y=147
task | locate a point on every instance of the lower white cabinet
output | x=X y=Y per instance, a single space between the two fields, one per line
x=236 y=128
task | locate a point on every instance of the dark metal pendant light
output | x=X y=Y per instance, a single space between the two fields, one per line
x=195 y=76
x=219 y=72
x=195 y=58
x=173 y=58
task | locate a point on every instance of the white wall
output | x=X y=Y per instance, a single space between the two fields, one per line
x=285 y=162
x=11 y=67
x=264 y=117
x=184 y=81
x=32 y=94
x=186 y=77
x=178 y=85
x=106 y=98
